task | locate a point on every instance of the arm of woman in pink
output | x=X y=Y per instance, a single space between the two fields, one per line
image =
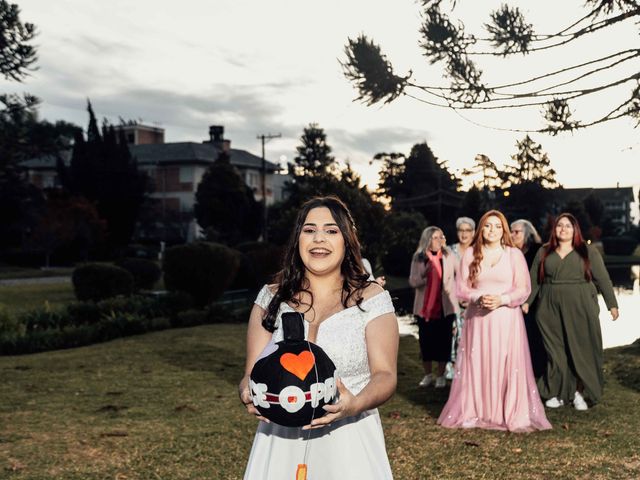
x=464 y=291
x=521 y=282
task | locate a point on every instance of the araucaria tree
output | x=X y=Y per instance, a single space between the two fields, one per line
x=17 y=56
x=444 y=41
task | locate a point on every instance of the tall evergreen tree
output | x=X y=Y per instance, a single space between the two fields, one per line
x=225 y=206
x=314 y=154
x=484 y=172
x=103 y=170
x=424 y=184
x=530 y=165
x=315 y=173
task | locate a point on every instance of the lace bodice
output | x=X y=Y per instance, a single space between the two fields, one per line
x=341 y=335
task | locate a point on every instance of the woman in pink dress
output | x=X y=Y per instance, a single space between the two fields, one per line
x=494 y=386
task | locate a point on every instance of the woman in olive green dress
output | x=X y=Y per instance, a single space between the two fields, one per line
x=566 y=276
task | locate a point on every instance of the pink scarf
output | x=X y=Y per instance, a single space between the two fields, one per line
x=432 y=307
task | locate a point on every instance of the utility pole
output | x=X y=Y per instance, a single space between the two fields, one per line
x=264 y=138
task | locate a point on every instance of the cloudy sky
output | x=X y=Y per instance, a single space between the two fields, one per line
x=272 y=67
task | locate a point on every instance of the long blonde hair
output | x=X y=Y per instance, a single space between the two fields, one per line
x=425 y=240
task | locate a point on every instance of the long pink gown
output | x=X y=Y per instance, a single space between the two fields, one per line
x=494 y=386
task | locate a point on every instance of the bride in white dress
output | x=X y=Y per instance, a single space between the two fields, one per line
x=353 y=320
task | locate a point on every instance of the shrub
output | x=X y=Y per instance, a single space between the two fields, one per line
x=83 y=313
x=145 y=273
x=43 y=319
x=204 y=270
x=10 y=327
x=623 y=245
x=172 y=303
x=265 y=259
x=95 y=281
x=397 y=261
x=146 y=307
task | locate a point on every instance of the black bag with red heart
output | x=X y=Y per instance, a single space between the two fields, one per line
x=293 y=379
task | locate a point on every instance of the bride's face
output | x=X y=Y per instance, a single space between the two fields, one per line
x=321 y=244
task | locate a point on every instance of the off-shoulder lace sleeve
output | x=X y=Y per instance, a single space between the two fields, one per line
x=377 y=305
x=264 y=297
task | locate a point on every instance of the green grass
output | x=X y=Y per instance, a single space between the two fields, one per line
x=164 y=406
x=11 y=272
x=19 y=298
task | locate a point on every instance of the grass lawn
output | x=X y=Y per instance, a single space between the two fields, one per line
x=164 y=406
x=7 y=271
x=18 y=298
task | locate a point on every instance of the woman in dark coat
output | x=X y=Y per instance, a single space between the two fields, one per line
x=566 y=276
x=525 y=237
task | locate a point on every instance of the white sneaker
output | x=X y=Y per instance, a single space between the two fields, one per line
x=441 y=382
x=426 y=381
x=450 y=371
x=579 y=403
x=554 y=402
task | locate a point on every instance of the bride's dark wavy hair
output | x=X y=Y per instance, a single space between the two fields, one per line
x=291 y=279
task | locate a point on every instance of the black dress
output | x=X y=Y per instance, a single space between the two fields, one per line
x=536 y=344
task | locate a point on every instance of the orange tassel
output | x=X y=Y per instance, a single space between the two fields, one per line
x=301 y=473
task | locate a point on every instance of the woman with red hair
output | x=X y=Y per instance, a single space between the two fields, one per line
x=565 y=277
x=494 y=386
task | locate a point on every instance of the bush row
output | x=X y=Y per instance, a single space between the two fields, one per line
x=84 y=323
x=204 y=270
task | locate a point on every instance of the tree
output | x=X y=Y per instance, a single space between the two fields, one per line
x=103 y=171
x=23 y=136
x=20 y=205
x=313 y=157
x=225 y=207
x=66 y=222
x=420 y=183
x=486 y=170
x=16 y=55
x=390 y=174
x=526 y=182
x=474 y=204
x=316 y=174
x=444 y=40
x=530 y=165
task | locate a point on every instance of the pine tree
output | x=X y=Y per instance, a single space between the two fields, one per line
x=313 y=157
x=530 y=165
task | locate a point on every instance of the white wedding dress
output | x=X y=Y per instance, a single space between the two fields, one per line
x=350 y=449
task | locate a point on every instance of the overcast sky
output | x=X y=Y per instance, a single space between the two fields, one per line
x=272 y=67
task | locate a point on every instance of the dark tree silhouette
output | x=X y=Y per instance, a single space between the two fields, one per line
x=313 y=157
x=420 y=183
x=225 y=206
x=445 y=41
x=529 y=165
x=103 y=171
x=16 y=54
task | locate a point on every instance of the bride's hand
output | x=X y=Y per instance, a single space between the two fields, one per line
x=245 y=398
x=346 y=406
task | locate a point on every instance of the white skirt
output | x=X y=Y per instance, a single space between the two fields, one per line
x=350 y=449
